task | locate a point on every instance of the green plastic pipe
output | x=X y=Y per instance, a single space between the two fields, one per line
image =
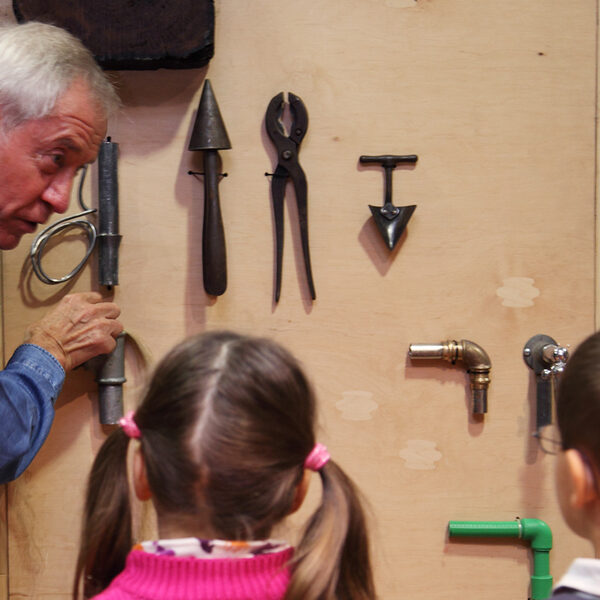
x=536 y=531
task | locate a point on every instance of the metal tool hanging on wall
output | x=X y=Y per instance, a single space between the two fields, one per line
x=109 y=237
x=110 y=377
x=109 y=368
x=473 y=356
x=210 y=136
x=106 y=235
x=547 y=359
x=390 y=220
x=287 y=147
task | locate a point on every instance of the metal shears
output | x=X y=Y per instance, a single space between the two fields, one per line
x=287 y=147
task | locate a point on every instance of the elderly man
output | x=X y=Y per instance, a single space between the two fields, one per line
x=54 y=106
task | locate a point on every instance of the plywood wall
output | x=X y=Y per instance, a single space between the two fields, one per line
x=498 y=101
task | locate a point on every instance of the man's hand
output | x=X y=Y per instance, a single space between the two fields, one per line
x=80 y=327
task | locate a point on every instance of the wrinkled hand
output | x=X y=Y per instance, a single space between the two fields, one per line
x=80 y=327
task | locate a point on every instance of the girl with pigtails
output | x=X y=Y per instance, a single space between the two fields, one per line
x=225 y=446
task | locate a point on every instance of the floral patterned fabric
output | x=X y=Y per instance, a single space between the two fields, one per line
x=200 y=548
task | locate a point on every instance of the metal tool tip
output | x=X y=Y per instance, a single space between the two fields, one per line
x=209 y=131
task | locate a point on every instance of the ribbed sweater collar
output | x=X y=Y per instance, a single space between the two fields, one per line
x=152 y=577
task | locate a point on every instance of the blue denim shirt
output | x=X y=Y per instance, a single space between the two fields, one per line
x=29 y=387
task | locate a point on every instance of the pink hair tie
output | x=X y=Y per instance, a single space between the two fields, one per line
x=129 y=426
x=317 y=458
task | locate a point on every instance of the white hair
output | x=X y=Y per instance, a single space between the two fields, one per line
x=38 y=64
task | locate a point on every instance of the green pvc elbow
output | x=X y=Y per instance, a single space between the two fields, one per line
x=536 y=531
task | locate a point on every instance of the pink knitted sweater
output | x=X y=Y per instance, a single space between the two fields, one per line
x=155 y=577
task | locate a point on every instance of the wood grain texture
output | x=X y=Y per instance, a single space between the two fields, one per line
x=498 y=101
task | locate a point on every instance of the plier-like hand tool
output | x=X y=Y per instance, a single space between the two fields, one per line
x=288 y=166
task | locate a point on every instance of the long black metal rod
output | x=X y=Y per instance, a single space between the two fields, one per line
x=108 y=214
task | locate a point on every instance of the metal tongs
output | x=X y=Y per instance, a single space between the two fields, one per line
x=287 y=147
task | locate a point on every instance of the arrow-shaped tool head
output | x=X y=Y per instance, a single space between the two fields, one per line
x=391 y=224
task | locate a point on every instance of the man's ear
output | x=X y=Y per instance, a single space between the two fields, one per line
x=140 y=481
x=301 y=491
x=583 y=488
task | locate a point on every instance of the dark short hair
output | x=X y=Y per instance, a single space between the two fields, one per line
x=578 y=399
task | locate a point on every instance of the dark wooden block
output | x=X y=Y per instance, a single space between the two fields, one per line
x=133 y=34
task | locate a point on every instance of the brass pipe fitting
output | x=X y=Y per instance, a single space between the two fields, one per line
x=475 y=359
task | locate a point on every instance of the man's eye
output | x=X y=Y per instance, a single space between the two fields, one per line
x=49 y=163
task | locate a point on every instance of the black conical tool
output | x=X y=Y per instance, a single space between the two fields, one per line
x=209 y=135
x=391 y=220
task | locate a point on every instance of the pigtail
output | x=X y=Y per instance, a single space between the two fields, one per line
x=106 y=536
x=332 y=559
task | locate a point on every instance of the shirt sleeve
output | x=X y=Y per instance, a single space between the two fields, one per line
x=29 y=387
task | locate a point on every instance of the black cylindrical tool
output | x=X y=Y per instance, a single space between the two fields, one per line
x=108 y=214
x=110 y=378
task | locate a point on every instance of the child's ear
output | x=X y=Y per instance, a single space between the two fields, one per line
x=583 y=488
x=140 y=481
x=301 y=491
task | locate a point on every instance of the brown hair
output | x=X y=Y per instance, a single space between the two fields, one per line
x=578 y=400
x=226 y=425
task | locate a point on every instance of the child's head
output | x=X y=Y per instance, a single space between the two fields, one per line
x=578 y=419
x=225 y=428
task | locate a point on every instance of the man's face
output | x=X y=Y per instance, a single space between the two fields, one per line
x=39 y=159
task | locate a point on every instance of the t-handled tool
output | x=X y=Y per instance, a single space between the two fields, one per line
x=287 y=147
x=391 y=220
